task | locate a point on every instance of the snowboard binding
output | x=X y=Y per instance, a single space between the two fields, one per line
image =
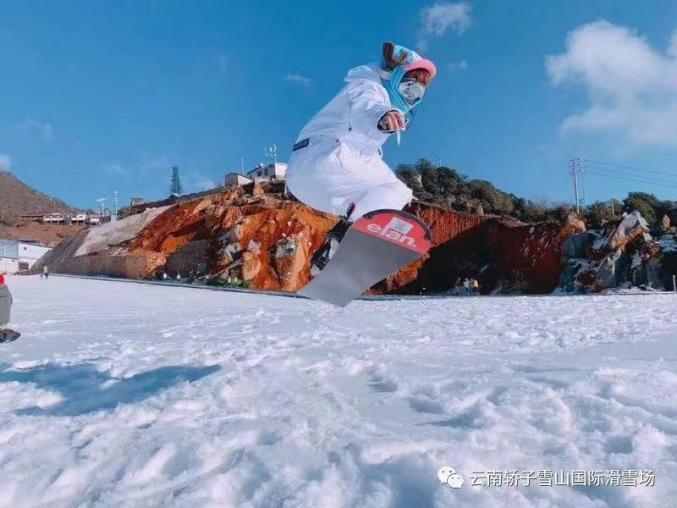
x=331 y=243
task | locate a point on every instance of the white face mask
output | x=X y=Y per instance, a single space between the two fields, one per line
x=412 y=91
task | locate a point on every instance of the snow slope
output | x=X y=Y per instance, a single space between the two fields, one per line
x=116 y=232
x=121 y=394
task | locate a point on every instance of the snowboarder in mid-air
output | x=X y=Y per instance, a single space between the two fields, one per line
x=6 y=335
x=336 y=165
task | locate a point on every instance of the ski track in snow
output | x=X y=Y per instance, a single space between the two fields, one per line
x=131 y=395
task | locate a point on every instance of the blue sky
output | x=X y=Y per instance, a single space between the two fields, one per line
x=104 y=95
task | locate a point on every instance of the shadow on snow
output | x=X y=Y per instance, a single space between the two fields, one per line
x=85 y=389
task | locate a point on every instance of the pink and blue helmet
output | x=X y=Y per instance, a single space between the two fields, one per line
x=391 y=78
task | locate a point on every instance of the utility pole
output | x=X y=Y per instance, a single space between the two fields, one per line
x=101 y=203
x=242 y=164
x=576 y=171
x=115 y=204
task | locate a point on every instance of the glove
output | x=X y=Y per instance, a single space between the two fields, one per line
x=392 y=121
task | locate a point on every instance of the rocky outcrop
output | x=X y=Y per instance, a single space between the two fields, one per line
x=622 y=254
x=267 y=241
x=503 y=254
x=446 y=227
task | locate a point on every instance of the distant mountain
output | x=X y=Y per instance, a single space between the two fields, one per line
x=17 y=198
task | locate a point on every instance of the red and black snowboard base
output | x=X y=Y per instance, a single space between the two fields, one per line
x=378 y=244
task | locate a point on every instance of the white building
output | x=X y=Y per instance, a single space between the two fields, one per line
x=60 y=218
x=236 y=179
x=16 y=256
x=54 y=218
x=269 y=173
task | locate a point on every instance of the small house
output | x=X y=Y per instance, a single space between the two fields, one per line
x=17 y=256
x=236 y=179
x=269 y=173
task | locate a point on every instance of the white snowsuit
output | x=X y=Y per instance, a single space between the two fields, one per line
x=5 y=304
x=337 y=158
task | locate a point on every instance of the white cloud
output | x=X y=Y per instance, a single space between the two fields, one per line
x=196 y=181
x=5 y=162
x=438 y=18
x=115 y=169
x=222 y=62
x=203 y=183
x=153 y=165
x=631 y=86
x=672 y=50
x=44 y=128
x=299 y=80
x=458 y=66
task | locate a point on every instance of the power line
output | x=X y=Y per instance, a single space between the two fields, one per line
x=626 y=173
x=633 y=179
x=641 y=170
x=580 y=167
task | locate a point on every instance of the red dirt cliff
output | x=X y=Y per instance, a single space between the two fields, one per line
x=268 y=242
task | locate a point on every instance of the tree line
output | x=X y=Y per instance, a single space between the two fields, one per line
x=446 y=186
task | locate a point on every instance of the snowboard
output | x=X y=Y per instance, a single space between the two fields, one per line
x=376 y=245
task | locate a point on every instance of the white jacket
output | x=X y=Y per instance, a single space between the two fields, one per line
x=337 y=157
x=353 y=115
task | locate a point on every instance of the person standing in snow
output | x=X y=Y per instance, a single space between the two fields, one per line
x=6 y=335
x=337 y=163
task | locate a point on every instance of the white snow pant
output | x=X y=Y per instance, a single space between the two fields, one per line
x=328 y=175
x=5 y=304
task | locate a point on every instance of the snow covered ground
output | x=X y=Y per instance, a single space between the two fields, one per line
x=129 y=395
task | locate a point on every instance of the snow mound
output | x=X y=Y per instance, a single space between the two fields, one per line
x=113 y=233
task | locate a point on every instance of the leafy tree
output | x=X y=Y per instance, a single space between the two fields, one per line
x=444 y=185
x=429 y=175
x=176 y=188
x=598 y=213
x=449 y=179
x=430 y=182
x=645 y=204
x=410 y=176
x=492 y=199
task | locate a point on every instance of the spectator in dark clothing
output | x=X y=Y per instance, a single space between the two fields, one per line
x=6 y=334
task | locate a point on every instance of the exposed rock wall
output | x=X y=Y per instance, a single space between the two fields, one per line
x=622 y=254
x=503 y=254
x=268 y=242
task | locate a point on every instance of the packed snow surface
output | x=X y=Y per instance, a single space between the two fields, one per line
x=128 y=395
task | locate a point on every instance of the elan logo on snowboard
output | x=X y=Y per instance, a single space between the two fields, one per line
x=396 y=230
x=396 y=227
